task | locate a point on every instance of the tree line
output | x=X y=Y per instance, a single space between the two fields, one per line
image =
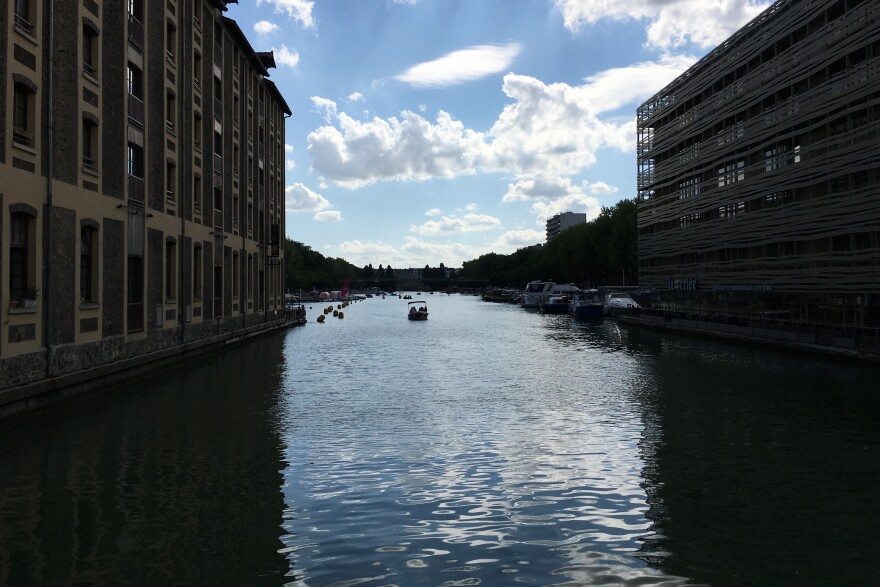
x=600 y=252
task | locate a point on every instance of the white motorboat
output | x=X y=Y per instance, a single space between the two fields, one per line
x=618 y=303
x=538 y=292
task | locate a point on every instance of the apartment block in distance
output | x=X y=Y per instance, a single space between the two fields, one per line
x=141 y=188
x=759 y=180
x=564 y=221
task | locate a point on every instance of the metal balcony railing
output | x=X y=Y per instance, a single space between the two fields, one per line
x=136 y=109
x=136 y=32
x=135 y=188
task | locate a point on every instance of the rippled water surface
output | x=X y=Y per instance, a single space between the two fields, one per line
x=485 y=446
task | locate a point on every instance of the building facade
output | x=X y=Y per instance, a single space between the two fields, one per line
x=141 y=183
x=564 y=221
x=759 y=174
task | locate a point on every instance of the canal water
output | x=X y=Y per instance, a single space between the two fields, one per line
x=487 y=445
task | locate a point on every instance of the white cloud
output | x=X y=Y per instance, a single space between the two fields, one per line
x=357 y=247
x=421 y=253
x=550 y=196
x=328 y=107
x=512 y=240
x=423 y=107
x=264 y=27
x=671 y=23
x=285 y=56
x=545 y=129
x=299 y=198
x=299 y=10
x=461 y=66
x=456 y=225
x=601 y=188
x=328 y=216
x=472 y=207
x=289 y=162
x=356 y=97
x=433 y=212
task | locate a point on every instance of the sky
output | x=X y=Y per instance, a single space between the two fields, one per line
x=435 y=131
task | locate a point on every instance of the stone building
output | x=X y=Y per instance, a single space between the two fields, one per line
x=758 y=177
x=141 y=187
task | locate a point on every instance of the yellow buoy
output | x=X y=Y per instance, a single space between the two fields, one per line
x=341 y=315
x=335 y=313
x=321 y=318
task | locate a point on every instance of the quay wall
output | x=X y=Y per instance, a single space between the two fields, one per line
x=27 y=384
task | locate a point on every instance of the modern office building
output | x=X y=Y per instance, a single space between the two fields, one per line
x=563 y=221
x=759 y=175
x=141 y=186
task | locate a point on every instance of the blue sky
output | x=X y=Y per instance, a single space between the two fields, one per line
x=435 y=131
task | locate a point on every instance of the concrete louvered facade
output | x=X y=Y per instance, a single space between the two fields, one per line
x=759 y=175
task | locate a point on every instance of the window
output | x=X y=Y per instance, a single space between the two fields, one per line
x=24 y=17
x=135 y=172
x=250 y=217
x=90 y=51
x=197 y=193
x=170 y=270
x=22 y=115
x=87 y=264
x=170 y=41
x=236 y=284
x=235 y=211
x=20 y=273
x=170 y=112
x=170 y=181
x=197 y=272
x=135 y=79
x=250 y=276
x=197 y=131
x=197 y=70
x=89 y=140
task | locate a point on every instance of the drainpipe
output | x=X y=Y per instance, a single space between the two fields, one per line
x=47 y=255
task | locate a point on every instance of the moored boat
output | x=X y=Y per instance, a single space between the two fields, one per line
x=556 y=305
x=537 y=292
x=618 y=303
x=586 y=305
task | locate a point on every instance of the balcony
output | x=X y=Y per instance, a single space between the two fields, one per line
x=218 y=54
x=23 y=26
x=218 y=163
x=136 y=32
x=23 y=137
x=218 y=219
x=218 y=109
x=136 y=110
x=90 y=70
x=90 y=164
x=135 y=188
x=169 y=126
x=169 y=195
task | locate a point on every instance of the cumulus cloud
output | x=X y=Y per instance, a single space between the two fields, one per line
x=447 y=225
x=472 y=207
x=355 y=97
x=512 y=240
x=461 y=66
x=328 y=216
x=326 y=106
x=289 y=163
x=423 y=108
x=299 y=198
x=433 y=212
x=285 y=56
x=545 y=129
x=553 y=195
x=298 y=10
x=264 y=27
x=450 y=254
x=670 y=23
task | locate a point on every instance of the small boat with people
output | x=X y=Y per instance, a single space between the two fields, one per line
x=418 y=310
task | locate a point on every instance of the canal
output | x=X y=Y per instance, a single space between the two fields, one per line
x=487 y=445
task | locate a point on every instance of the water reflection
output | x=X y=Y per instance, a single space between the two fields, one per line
x=174 y=480
x=486 y=446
